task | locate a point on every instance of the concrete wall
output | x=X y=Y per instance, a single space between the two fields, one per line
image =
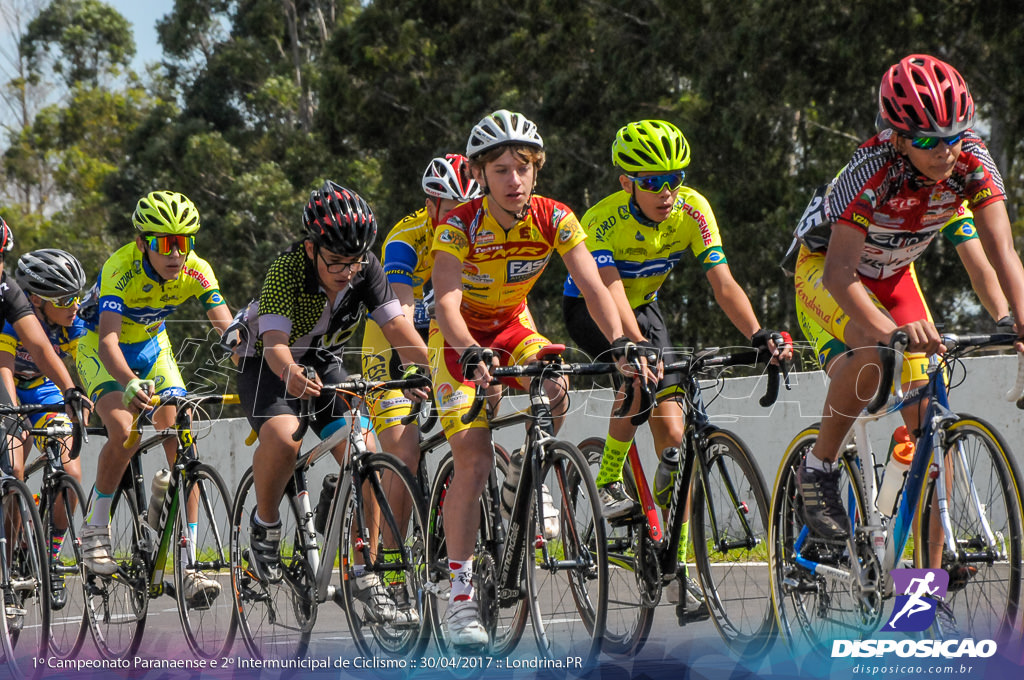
x=766 y=431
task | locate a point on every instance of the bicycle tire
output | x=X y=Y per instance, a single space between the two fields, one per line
x=25 y=636
x=811 y=610
x=505 y=625
x=629 y=617
x=568 y=603
x=735 y=576
x=386 y=477
x=207 y=619
x=987 y=604
x=69 y=623
x=116 y=608
x=274 y=619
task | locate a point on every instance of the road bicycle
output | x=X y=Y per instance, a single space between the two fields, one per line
x=962 y=469
x=729 y=521
x=60 y=500
x=117 y=605
x=547 y=560
x=277 y=619
x=24 y=576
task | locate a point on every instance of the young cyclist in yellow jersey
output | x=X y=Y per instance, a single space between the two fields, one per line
x=488 y=253
x=884 y=208
x=125 y=357
x=52 y=280
x=636 y=237
x=407 y=263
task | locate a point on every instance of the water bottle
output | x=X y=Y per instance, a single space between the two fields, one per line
x=895 y=470
x=158 y=490
x=511 y=483
x=664 y=476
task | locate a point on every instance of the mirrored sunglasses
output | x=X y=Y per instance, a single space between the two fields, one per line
x=656 y=183
x=62 y=302
x=164 y=244
x=929 y=143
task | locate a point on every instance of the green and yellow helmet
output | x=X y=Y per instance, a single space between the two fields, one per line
x=650 y=145
x=166 y=212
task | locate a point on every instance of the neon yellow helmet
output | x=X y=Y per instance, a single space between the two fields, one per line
x=166 y=212
x=650 y=145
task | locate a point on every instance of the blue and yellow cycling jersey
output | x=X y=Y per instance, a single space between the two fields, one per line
x=408 y=260
x=128 y=286
x=63 y=338
x=645 y=253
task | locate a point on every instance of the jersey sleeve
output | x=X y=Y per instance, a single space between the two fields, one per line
x=14 y=303
x=451 y=235
x=381 y=302
x=705 y=239
x=960 y=228
x=9 y=339
x=984 y=184
x=202 y=282
x=568 y=231
x=279 y=294
x=598 y=227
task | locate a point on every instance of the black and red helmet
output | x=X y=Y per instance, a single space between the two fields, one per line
x=339 y=220
x=924 y=96
x=6 y=238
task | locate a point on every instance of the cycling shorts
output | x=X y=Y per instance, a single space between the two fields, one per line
x=514 y=343
x=588 y=337
x=42 y=390
x=150 y=360
x=380 y=362
x=263 y=395
x=824 y=324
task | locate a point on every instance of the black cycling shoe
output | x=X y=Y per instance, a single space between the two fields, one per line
x=265 y=550
x=823 y=510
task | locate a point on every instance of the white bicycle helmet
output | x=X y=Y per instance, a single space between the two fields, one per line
x=501 y=128
x=448 y=177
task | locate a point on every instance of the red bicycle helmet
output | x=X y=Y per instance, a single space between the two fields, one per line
x=6 y=238
x=924 y=96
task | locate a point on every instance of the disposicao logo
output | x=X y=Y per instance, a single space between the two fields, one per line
x=914 y=610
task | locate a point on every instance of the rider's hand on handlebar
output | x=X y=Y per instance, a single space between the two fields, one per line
x=75 y=403
x=416 y=394
x=297 y=384
x=922 y=337
x=477 y=363
x=137 y=393
x=779 y=343
x=1007 y=325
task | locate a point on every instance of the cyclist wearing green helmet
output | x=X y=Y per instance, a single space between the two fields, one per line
x=126 y=356
x=637 y=235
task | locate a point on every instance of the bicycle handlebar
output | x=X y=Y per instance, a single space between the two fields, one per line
x=891 y=355
x=77 y=430
x=173 y=400
x=360 y=387
x=709 y=359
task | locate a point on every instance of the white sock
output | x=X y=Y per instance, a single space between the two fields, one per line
x=461 y=574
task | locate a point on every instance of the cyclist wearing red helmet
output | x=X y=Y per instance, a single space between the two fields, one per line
x=854 y=281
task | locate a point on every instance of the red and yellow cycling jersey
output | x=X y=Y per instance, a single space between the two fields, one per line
x=499 y=268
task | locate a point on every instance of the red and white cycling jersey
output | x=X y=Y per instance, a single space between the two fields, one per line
x=882 y=194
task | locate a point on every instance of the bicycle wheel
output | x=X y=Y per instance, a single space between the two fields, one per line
x=985 y=583
x=505 y=624
x=203 y=559
x=399 y=552
x=275 y=619
x=116 y=606
x=568 y=573
x=68 y=624
x=630 y=614
x=730 y=531
x=812 y=609
x=26 y=619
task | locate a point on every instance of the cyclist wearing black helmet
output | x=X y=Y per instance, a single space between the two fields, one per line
x=312 y=300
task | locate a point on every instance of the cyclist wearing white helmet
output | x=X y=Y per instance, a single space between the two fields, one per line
x=488 y=254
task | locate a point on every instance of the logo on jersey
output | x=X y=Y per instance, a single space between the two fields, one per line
x=523 y=270
x=914 y=610
x=565 y=234
x=712 y=256
x=453 y=237
x=702 y=222
x=907 y=203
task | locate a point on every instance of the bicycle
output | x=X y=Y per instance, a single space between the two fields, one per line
x=276 y=619
x=117 y=605
x=60 y=496
x=728 y=521
x=24 y=578
x=552 y=569
x=822 y=592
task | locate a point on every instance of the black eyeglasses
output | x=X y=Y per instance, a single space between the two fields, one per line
x=342 y=267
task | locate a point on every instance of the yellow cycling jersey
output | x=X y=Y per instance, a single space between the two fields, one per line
x=407 y=259
x=499 y=268
x=128 y=286
x=644 y=252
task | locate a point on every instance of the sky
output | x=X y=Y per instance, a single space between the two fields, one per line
x=143 y=14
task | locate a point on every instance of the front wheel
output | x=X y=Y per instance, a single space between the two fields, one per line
x=68 y=625
x=812 y=609
x=202 y=570
x=985 y=573
x=393 y=517
x=116 y=606
x=568 y=571
x=730 y=544
x=25 y=620
x=274 y=619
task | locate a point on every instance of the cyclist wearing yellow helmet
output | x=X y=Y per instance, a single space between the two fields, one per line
x=125 y=356
x=637 y=235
